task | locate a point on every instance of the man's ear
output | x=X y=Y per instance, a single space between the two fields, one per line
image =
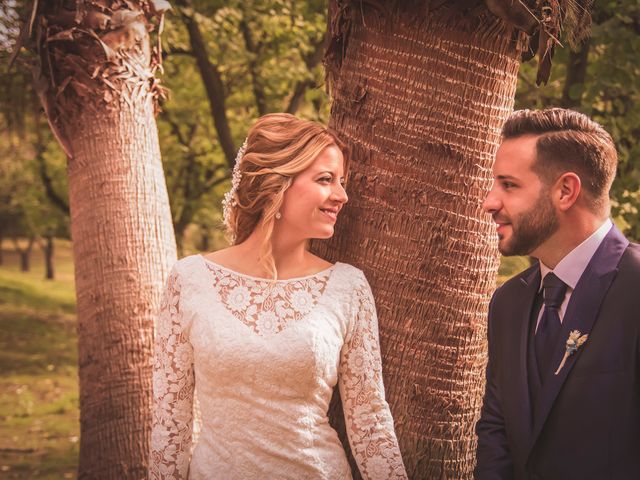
x=568 y=188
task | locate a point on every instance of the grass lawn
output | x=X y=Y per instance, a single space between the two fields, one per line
x=39 y=420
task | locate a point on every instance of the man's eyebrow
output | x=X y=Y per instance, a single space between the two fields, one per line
x=505 y=177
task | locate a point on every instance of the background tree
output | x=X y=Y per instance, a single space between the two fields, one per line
x=420 y=92
x=32 y=182
x=95 y=77
x=601 y=79
x=226 y=64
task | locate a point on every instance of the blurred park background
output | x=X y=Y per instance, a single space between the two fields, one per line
x=258 y=57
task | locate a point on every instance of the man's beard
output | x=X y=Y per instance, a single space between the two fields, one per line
x=532 y=228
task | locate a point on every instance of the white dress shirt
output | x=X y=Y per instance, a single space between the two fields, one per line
x=573 y=265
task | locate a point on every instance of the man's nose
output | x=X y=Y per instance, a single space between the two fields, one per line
x=491 y=202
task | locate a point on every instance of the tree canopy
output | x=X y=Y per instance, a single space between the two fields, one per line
x=226 y=63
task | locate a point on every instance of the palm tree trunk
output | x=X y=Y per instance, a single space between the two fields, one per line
x=123 y=247
x=97 y=85
x=420 y=101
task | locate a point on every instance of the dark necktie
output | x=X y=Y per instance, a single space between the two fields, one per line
x=549 y=326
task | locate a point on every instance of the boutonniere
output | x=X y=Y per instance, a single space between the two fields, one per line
x=574 y=342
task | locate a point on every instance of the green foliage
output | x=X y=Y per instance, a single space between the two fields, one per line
x=510 y=266
x=262 y=51
x=28 y=153
x=610 y=95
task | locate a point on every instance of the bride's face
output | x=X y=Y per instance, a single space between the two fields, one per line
x=312 y=203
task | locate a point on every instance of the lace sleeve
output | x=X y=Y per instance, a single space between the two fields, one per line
x=173 y=388
x=367 y=415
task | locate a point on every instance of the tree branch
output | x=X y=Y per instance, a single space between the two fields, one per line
x=576 y=74
x=253 y=49
x=212 y=82
x=40 y=147
x=311 y=60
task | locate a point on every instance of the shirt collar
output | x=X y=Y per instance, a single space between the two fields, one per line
x=571 y=267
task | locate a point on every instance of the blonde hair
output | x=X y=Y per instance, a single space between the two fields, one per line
x=279 y=146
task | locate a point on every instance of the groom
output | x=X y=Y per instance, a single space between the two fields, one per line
x=562 y=398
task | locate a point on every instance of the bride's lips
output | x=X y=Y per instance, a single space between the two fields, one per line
x=330 y=213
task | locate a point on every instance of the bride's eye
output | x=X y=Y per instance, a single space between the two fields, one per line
x=325 y=180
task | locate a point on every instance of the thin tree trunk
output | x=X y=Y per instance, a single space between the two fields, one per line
x=25 y=263
x=56 y=200
x=254 y=52
x=48 y=257
x=311 y=60
x=25 y=254
x=420 y=102
x=97 y=85
x=205 y=239
x=213 y=85
x=576 y=75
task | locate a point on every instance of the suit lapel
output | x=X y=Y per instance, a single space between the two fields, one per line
x=580 y=315
x=530 y=283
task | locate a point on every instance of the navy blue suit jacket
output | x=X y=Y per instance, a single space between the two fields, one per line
x=584 y=422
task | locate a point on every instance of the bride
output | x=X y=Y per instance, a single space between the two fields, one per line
x=264 y=330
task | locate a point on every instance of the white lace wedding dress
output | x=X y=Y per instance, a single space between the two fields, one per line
x=265 y=358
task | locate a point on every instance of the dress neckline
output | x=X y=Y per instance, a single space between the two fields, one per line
x=327 y=270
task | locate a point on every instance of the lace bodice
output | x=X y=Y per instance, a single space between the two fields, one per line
x=267 y=307
x=266 y=356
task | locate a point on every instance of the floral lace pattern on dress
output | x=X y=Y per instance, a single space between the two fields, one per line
x=267 y=308
x=173 y=387
x=369 y=423
x=264 y=306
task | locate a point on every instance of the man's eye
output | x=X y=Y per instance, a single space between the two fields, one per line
x=508 y=185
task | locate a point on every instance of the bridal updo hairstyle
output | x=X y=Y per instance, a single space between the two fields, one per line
x=279 y=146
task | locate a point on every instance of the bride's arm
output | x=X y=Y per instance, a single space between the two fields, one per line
x=173 y=387
x=367 y=415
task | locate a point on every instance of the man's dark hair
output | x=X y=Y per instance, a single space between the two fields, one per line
x=569 y=141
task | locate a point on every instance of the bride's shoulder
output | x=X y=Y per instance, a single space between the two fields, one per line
x=222 y=257
x=187 y=264
x=350 y=275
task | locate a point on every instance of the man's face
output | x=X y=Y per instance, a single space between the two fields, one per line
x=519 y=202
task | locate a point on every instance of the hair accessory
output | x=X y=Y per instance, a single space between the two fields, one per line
x=229 y=200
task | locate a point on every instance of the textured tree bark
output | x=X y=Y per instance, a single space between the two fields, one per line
x=97 y=85
x=420 y=102
x=123 y=247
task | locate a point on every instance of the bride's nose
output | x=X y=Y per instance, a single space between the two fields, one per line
x=339 y=194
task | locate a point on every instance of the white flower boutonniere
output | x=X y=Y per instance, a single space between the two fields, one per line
x=574 y=342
